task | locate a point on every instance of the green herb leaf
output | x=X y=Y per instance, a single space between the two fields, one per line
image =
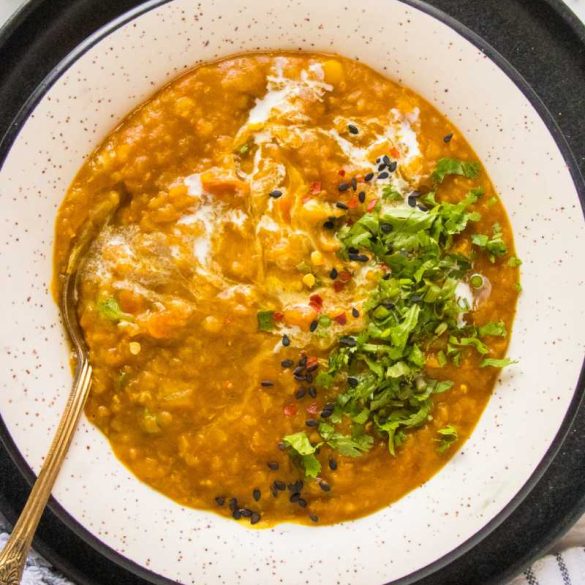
x=514 y=262
x=110 y=309
x=494 y=246
x=494 y=329
x=265 y=320
x=448 y=436
x=453 y=166
x=497 y=363
x=301 y=446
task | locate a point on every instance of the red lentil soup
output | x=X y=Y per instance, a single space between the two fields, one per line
x=300 y=311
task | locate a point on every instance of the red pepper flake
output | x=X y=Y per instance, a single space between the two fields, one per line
x=307 y=198
x=278 y=316
x=316 y=303
x=341 y=173
x=353 y=203
x=315 y=187
x=290 y=409
x=338 y=286
x=341 y=318
x=372 y=204
x=395 y=152
x=311 y=361
x=345 y=276
x=313 y=408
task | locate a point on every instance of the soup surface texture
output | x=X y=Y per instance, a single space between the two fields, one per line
x=301 y=306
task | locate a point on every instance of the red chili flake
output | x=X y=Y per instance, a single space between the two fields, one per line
x=341 y=173
x=313 y=408
x=290 y=409
x=395 y=153
x=372 y=204
x=338 y=286
x=278 y=316
x=307 y=198
x=341 y=318
x=345 y=276
x=353 y=203
x=311 y=361
x=315 y=187
x=316 y=299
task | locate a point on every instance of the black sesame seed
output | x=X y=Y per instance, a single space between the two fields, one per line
x=303 y=361
x=254 y=518
x=343 y=187
x=326 y=413
x=352 y=250
x=313 y=367
x=354 y=183
x=294 y=498
x=300 y=393
x=355 y=313
x=333 y=274
x=314 y=517
x=388 y=305
x=362 y=196
x=233 y=504
x=368 y=177
x=347 y=341
x=297 y=486
x=312 y=392
x=358 y=257
x=411 y=200
x=237 y=514
x=275 y=194
x=314 y=324
x=329 y=225
x=381 y=167
x=341 y=205
x=392 y=166
x=324 y=486
x=383 y=175
x=386 y=276
x=422 y=207
x=332 y=464
x=299 y=377
x=285 y=340
x=308 y=377
x=447 y=138
x=311 y=422
x=220 y=500
x=267 y=383
x=273 y=465
x=279 y=485
x=386 y=227
x=386 y=160
x=299 y=371
x=246 y=512
x=353 y=382
x=302 y=502
x=273 y=491
x=287 y=363
x=353 y=129
x=256 y=494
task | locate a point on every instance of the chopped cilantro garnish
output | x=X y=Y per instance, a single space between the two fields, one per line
x=494 y=246
x=448 y=436
x=265 y=320
x=514 y=262
x=494 y=329
x=497 y=363
x=302 y=448
x=110 y=309
x=453 y=166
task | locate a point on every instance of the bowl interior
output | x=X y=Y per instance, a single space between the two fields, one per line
x=119 y=68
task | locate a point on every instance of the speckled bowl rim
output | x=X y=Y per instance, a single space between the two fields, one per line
x=507 y=68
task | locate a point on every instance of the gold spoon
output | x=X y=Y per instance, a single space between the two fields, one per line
x=13 y=556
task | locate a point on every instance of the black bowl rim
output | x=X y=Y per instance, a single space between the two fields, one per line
x=508 y=69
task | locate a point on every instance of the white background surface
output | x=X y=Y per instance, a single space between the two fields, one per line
x=575 y=536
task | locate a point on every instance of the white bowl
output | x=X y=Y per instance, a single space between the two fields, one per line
x=121 y=66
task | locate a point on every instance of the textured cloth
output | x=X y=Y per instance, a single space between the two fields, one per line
x=565 y=568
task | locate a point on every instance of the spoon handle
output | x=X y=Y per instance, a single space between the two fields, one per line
x=14 y=554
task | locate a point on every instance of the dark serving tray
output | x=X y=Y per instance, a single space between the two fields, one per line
x=545 y=42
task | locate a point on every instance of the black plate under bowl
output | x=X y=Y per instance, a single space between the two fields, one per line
x=545 y=43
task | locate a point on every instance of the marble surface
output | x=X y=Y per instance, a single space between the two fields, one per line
x=40 y=572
